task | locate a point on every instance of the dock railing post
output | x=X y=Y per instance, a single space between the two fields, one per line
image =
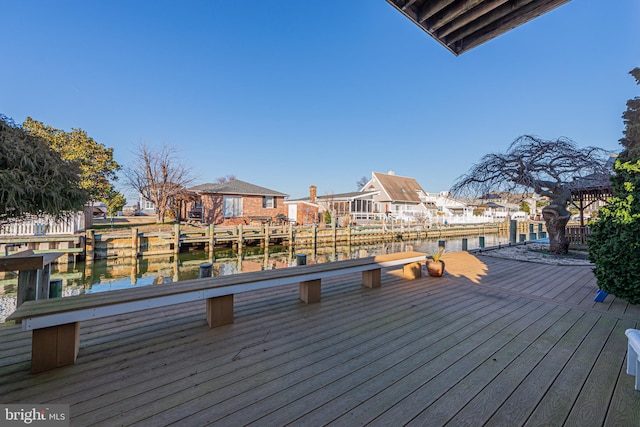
x=290 y=234
x=134 y=242
x=212 y=238
x=89 y=245
x=176 y=238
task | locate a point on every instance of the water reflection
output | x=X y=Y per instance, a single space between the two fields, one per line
x=122 y=273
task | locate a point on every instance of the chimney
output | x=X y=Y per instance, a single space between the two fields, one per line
x=391 y=172
x=312 y=194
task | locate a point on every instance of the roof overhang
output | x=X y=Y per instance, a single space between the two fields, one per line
x=460 y=25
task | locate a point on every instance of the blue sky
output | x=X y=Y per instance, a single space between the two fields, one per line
x=286 y=94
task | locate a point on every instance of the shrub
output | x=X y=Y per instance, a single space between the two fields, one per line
x=614 y=246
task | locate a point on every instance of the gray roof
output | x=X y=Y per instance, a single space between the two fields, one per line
x=236 y=187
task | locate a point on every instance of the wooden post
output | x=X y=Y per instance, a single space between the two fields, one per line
x=372 y=278
x=134 y=271
x=134 y=242
x=266 y=235
x=310 y=291
x=176 y=238
x=212 y=238
x=290 y=235
x=314 y=233
x=220 y=311
x=54 y=347
x=265 y=265
x=240 y=236
x=333 y=229
x=27 y=284
x=349 y=234
x=89 y=245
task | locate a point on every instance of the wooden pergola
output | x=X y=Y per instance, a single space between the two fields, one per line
x=588 y=191
x=460 y=25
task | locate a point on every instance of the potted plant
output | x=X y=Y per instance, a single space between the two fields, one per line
x=435 y=266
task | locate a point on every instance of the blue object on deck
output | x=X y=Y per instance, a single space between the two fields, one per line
x=600 y=296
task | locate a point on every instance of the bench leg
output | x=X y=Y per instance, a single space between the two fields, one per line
x=372 y=278
x=412 y=271
x=310 y=291
x=220 y=311
x=54 y=347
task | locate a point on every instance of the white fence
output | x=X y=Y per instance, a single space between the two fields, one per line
x=41 y=226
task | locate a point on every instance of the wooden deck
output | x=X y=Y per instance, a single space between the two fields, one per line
x=494 y=342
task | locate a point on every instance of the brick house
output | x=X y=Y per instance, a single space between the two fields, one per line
x=235 y=202
x=305 y=210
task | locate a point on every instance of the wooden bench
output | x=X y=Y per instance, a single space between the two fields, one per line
x=56 y=322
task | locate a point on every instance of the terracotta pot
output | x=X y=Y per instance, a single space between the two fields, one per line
x=435 y=268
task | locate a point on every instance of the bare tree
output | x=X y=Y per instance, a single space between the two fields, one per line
x=225 y=179
x=550 y=168
x=362 y=182
x=158 y=176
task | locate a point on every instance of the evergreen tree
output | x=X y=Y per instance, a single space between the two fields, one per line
x=34 y=179
x=98 y=169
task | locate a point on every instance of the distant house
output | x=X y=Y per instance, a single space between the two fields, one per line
x=352 y=207
x=235 y=202
x=305 y=210
x=146 y=206
x=346 y=207
x=398 y=197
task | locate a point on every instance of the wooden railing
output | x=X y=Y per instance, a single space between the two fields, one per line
x=577 y=234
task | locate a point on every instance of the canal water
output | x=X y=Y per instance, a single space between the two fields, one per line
x=122 y=273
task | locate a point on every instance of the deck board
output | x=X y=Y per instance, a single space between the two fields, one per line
x=494 y=341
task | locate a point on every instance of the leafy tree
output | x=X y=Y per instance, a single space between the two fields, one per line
x=159 y=177
x=98 y=169
x=524 y=207
x=550 y=168
x=34 y=179
x=613 y=244
x=114 y=201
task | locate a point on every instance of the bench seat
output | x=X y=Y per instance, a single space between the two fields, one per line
x=55 y=322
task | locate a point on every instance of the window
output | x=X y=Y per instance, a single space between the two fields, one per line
x=268 y=202
x=232 y=206
x=149 y=205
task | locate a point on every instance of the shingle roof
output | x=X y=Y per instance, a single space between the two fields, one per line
x=236 y=187
x=399 y=188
